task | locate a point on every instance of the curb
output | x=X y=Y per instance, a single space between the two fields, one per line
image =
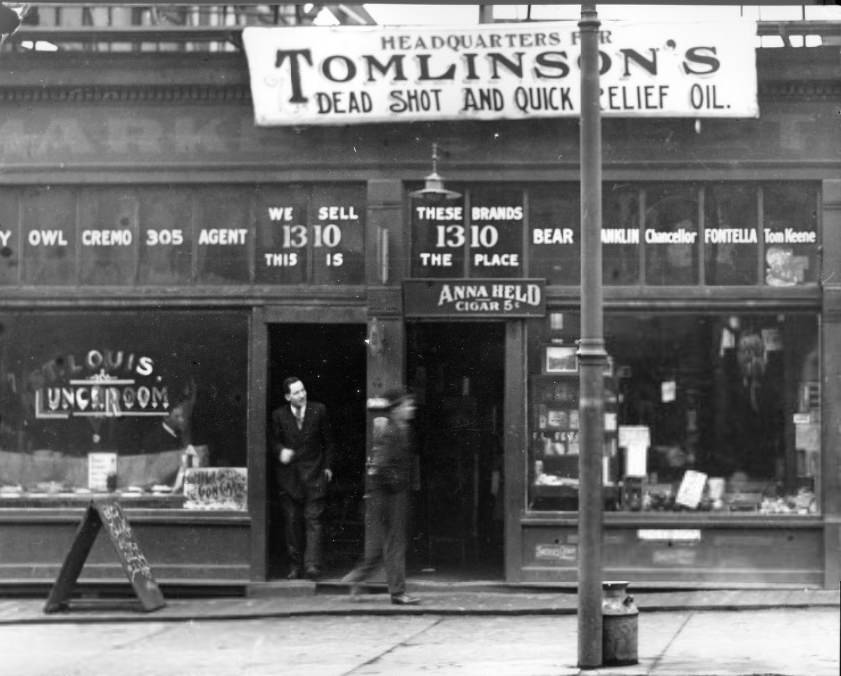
x=303 y=600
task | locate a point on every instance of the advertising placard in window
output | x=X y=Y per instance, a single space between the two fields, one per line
x=495 y=232
x=107 y=236
x=554 y=227
x=791 y=234
x=438 y=237
x=223 y=235
x=49 y=234
x=166 y=235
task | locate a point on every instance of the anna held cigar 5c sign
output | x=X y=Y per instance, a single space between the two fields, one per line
x=474 y=298
x=364 y=74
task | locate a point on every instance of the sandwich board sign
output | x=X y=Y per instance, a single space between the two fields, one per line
x=109 y=514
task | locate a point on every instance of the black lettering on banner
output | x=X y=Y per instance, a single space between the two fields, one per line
x=106 y=513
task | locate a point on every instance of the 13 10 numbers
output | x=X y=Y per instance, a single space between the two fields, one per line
x=455 y=236
x=330 y=236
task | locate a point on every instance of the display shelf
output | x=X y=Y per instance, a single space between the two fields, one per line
x=555 y=436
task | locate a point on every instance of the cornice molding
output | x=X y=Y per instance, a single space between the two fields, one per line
x=819 y=90
x=157 y=94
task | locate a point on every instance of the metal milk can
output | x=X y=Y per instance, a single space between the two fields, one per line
x=619 y=625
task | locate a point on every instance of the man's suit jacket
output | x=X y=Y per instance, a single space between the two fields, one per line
x=313 y=446
x=158 y=440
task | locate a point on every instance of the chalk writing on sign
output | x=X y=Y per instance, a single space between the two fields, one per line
x=134 y=561
x=110 y=515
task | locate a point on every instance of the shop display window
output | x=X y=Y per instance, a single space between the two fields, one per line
x=704 y=412
x=132 y=403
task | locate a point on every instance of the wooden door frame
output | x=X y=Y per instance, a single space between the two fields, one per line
x=258 y=377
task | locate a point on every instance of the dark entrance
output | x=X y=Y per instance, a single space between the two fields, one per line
x=457 y=372
x=330 y=359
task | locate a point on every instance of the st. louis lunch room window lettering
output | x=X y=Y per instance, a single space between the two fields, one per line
x=125 y=402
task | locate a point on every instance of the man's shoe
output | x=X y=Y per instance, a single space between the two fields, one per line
x=312 y=573
x=294 y=573
x=404 y=600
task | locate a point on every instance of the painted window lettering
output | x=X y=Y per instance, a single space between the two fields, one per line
x=165 y=237
x=47 y=238
x=553 y=236
x=102 y=382
x=235 y=236
x=107 y=237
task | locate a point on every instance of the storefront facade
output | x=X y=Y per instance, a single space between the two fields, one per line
x=160 y=251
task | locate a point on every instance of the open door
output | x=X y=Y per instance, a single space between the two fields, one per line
x=330 y=359
x=457 y=372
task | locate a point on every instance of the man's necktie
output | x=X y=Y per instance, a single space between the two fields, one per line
x=299 y=417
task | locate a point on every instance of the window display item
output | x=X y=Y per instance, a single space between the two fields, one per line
x=691 y=489
x=635 y=439
x=102 y=471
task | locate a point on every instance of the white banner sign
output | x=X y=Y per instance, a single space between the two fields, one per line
x=358 y=75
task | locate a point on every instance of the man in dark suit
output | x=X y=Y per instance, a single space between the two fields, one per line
x=302 y=446
x=168 y=435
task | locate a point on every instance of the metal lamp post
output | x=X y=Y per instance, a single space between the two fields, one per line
x=591 y=353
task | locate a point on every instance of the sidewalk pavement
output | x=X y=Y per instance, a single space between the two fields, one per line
x=473 y=629
x=306 y=598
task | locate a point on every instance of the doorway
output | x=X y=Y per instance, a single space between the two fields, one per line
x=457 y=371
x=330 y=359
